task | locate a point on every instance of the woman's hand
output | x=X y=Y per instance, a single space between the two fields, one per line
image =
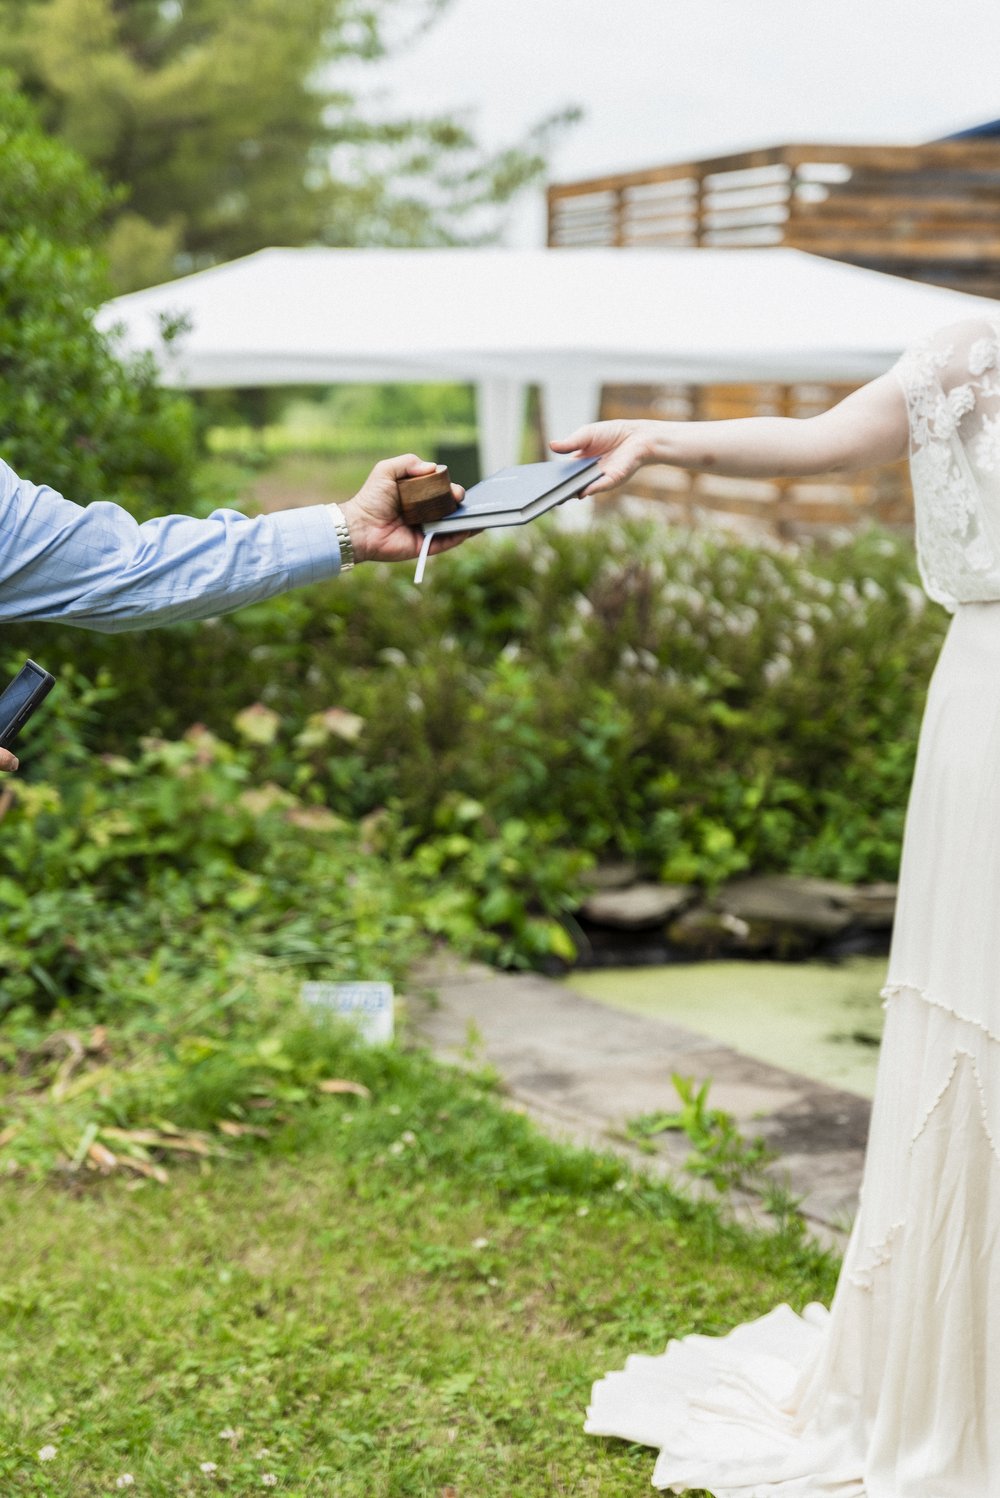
x=8 y=761
x=870 y=426
x=374 y=516
x=621 y=446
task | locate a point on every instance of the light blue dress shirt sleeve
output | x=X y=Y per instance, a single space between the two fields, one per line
x=95 y=566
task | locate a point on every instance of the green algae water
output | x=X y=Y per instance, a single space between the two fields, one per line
x=820 y=1019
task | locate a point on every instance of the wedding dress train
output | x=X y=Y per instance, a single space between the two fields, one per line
x=894 y=1392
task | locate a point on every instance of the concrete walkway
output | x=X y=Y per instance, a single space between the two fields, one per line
x=582 y=1070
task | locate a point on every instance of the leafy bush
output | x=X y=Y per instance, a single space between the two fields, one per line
x=70 y=414
x=702 y=705
x=158 y=911
x=189 y=853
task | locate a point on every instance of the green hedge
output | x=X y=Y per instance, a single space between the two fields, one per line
x=71 y=415
x=704 y=706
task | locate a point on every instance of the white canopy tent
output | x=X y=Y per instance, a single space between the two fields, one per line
x=567 y=320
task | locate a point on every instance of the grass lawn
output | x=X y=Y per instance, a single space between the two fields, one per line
x=407 y=1295
x=306 y=479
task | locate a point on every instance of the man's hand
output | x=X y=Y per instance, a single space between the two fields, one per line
x=8 y=761
x=374 y=517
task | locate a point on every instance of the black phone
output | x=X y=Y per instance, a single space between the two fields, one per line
x=29 y=688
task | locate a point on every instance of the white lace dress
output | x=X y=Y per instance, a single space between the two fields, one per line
x=895 y=1391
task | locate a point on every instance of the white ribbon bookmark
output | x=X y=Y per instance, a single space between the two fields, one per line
x=422 y=558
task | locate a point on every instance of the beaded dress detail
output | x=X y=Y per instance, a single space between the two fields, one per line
x=894 y=1392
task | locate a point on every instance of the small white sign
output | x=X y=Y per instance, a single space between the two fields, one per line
x=369 y=1006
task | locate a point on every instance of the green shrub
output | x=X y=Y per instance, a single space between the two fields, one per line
x=169 y=903
x=192 y=851
x=704 y=706
x=71 y=415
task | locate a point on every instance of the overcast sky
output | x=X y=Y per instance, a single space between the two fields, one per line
x=664 y=80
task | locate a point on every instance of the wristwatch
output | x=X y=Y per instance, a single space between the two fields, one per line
x=343 y=537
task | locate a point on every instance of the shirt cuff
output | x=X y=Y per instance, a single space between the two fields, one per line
x=309 y=543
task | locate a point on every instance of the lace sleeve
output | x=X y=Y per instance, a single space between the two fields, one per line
x=951 y=381
x=948 y=377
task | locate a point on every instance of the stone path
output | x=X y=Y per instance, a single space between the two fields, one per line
x=582 y=1070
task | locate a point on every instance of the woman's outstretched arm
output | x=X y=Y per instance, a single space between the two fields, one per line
x=867 y=428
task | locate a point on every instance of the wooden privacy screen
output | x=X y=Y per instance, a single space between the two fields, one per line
x=928 y=212
x=931 y=213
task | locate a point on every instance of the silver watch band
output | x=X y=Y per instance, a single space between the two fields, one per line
x=343 y=538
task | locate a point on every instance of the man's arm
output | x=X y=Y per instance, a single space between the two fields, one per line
x=96 y=567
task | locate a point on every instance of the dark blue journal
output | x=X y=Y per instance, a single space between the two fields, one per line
x=512 y=497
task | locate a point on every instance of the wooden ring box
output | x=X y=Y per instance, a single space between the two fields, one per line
x=427 y=497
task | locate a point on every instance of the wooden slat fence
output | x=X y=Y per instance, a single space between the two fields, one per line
x=929 y=212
